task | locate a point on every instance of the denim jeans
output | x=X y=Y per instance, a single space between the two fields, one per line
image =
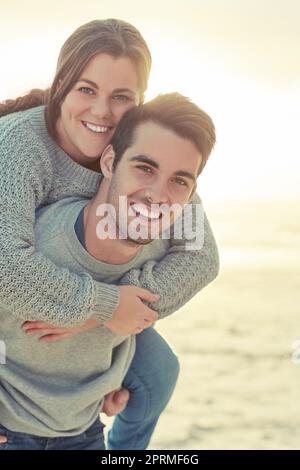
x=91 y=439
x=151 y=380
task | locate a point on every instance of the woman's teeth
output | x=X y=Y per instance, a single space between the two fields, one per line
x=94 y=128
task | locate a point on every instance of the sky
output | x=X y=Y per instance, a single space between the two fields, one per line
x=237 y=59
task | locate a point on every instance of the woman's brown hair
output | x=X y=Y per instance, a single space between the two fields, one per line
x=115 y=37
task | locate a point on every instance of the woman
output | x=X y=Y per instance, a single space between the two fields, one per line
x=48 y=154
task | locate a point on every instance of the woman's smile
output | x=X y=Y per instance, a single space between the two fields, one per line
x=96 y=128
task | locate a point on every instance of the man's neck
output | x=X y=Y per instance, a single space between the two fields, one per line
x=111 y=251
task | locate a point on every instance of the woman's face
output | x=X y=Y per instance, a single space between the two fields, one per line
x=105 y=90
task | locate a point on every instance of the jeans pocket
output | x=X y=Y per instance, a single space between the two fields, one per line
x=96 y=429
x=94 y=437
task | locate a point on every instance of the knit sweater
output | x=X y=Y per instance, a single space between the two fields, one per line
x=57 y=389
x=34 y=172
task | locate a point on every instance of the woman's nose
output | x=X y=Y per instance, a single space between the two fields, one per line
x=101 y=108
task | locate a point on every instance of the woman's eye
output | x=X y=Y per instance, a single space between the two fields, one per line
x=122 y=98
x=86 y=90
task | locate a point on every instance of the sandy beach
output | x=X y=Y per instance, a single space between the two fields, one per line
x=238 y=387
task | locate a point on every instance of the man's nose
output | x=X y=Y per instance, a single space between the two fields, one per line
x=158 y=193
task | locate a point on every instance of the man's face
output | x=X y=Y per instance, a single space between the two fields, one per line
x=159 y=170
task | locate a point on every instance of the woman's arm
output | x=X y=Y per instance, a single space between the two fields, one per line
x=177 y=277
x=32 y=287
x=181 y=273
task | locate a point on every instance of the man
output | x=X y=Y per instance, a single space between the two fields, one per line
x=155 y=157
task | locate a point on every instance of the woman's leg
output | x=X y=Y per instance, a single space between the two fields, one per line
x=150 y=380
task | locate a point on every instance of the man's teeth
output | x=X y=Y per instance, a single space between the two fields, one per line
x=95 y=128
x=143 y=211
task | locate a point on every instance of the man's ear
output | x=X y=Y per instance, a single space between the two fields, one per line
x=106 y=161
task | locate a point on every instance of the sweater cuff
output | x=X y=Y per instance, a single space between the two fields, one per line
x=106 y=301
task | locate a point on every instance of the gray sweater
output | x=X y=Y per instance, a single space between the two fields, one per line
x=35 y=171
x=57 y=389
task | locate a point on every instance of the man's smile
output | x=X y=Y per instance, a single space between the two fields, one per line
x=143 y=212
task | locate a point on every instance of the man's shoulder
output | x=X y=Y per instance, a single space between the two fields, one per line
x=53 y=219
x=155 y=250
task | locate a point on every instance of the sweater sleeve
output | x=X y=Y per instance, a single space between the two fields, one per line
x=181 y=273
x=31 y=286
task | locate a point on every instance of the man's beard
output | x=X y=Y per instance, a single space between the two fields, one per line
x=138 y=241
x=121 y=233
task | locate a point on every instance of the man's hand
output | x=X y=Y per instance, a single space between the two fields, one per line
x=49 y=333
x=115 y=402
x=132 y=315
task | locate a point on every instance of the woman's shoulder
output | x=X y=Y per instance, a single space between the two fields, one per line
x=24 y=135
x=28 y=121
x=21 y=117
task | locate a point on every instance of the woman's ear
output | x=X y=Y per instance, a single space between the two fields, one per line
x=193 y=192
x=107 y=161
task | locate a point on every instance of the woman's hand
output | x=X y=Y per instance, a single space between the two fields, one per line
x=132 y=316
x=49 y=333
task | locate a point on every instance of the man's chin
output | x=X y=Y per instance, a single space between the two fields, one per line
x=139 y=241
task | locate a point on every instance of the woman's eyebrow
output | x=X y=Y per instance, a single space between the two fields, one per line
x=89 y=82
x=124 y=90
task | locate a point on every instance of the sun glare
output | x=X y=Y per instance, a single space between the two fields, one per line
x=253 y=155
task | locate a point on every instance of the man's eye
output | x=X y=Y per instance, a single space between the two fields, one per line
x=145 y=169
x=181 y=182
x=86 y=90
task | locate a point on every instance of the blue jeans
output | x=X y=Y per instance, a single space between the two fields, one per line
x=91 y=439
x=151 y=380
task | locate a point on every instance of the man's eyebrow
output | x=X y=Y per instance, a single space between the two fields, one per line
x=186 y=174
x=117 y=90
x=153 y=163
x=144 y=159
